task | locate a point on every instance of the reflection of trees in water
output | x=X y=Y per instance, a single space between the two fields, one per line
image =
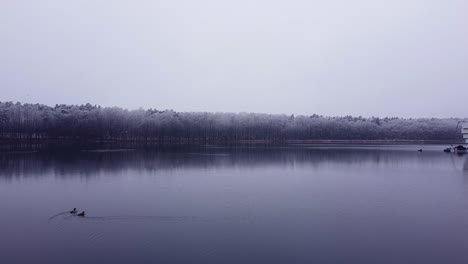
x=76 y=162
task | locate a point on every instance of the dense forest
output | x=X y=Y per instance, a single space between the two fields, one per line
x=89 y=122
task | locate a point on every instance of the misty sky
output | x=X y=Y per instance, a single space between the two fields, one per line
x=405 y=58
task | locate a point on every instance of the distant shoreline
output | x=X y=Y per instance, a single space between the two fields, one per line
x=220 y=142
x=65 y=124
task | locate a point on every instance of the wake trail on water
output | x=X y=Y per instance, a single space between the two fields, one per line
x=66 y=216
x=120 y=217
x=136 y=217
x=57 y=215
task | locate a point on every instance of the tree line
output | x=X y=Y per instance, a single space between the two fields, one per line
x=92 y=122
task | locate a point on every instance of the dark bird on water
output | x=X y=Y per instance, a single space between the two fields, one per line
x=81 y=214
x=73 y=211
x=420 y=150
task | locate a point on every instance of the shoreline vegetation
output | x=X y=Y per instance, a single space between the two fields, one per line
x=60 y=124
x=219 y=142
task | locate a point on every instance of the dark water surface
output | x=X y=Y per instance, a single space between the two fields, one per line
x=288 y=204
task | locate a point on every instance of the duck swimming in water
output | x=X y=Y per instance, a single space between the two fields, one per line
x=81 y=214
x=73 y=211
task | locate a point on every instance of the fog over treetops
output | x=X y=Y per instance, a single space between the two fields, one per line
x=92 y=122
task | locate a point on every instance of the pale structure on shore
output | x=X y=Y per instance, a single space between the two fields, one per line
x=465 y=133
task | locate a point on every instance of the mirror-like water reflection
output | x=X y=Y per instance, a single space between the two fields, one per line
x=248 y=204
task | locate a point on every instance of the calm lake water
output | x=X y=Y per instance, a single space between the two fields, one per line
x=212 y=204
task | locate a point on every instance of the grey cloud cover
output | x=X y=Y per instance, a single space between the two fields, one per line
x=363 y=57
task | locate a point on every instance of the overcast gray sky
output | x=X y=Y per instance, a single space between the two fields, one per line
x=404 y=58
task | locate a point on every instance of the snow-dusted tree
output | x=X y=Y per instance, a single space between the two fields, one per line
x=91 y=122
